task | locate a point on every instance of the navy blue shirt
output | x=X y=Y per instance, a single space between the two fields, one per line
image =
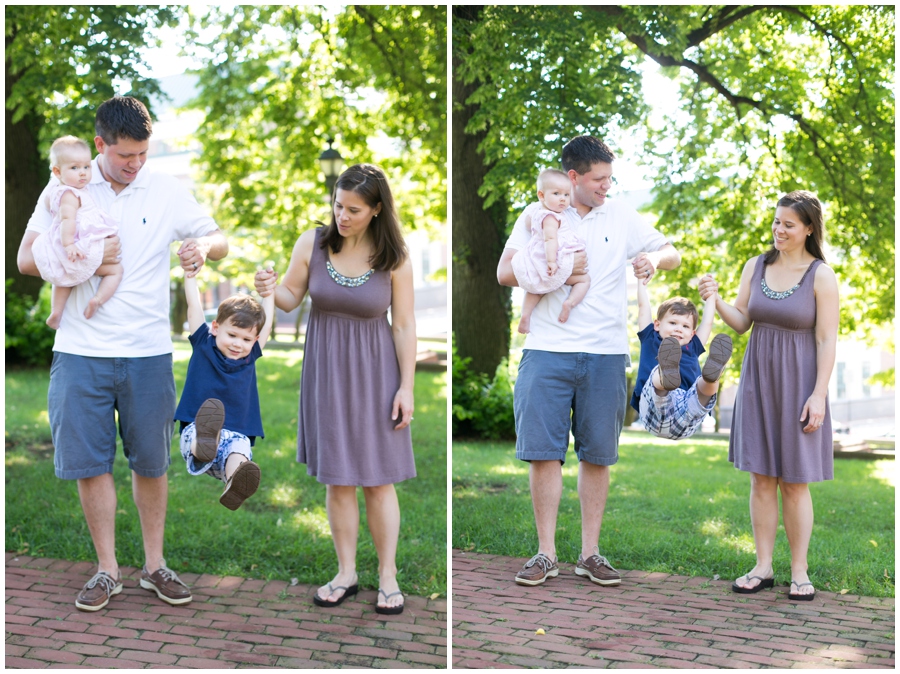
x=650 y=341
x=211 y=375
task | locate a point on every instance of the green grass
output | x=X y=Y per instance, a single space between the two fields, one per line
x=680 y=507
x=280 y=533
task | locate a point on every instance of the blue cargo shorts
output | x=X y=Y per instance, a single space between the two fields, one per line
x=556 y=392
x=86 y=396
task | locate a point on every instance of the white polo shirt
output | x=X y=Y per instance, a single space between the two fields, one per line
x=613 y=234
x=153 y=211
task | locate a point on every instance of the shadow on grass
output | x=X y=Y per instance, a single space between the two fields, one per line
x=280 y=533
x=680 y=508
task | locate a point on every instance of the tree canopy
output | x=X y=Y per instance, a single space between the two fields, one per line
x=771 y=99
x=61 y=61
x=282 y=80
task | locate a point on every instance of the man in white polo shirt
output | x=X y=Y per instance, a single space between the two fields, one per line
x=572 y=374
x=120 y=360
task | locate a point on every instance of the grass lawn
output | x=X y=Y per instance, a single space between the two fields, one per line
x=280 y=533
x=680 y=507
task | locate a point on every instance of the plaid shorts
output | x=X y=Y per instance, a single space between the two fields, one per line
x=229 y=443
x=674 y=416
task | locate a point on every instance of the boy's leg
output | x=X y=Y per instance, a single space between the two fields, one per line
x=208 y=421
x=112 y=276
x=579 y=290
x=668 y=374
x=531 y=301
x=58 y=299
x=234 y=464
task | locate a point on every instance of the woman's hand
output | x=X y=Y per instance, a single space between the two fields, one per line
x=814 y=411
x=265 y=281
x=708 y=287
x=403 y=408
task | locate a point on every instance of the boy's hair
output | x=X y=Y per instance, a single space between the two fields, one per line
x=244 y=312
x=122 y=117
x=582 y=152
x=680 y=306
x=548 y=174
x=64 y=144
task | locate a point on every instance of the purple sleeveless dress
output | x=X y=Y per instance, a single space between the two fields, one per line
x=777 y=377
x=350 y=375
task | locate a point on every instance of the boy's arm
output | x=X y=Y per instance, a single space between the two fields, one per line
x=645 y=314
x=704 y=330
x=194 y=306
x=268 y=303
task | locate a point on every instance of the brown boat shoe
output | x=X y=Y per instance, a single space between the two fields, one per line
x=598 y=569
x=167 y=585
x=97 y=592
x=537 y=569
x=242 y=485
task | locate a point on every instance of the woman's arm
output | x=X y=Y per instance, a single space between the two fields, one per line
x=403 y=328
x=736 y=316
x=295 y=283
x=827 y=320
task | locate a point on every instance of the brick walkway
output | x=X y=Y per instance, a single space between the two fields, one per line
x=232 y=622
x=656 y=620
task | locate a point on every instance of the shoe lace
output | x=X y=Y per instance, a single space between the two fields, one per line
x=541 y=560
x=167 y=574
x=103 y=579
x=603 y=560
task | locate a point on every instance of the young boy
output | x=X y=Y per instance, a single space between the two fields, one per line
x=219 y=406
x=675 y=396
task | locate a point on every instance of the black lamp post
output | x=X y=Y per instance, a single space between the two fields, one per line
x=331 y=162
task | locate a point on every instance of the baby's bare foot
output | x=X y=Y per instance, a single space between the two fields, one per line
x=54 y=319
x=564 y=314
x=92 y=307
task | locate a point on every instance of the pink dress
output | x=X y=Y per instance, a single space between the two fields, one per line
x=92 y=225
x=530 y=264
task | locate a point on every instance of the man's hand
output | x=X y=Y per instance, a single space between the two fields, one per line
x=112 y=250
x=643 y=268
x=579 y=263
x=193 y=254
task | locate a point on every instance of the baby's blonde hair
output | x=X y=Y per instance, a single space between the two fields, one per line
x=62 y=145
x=546 y=174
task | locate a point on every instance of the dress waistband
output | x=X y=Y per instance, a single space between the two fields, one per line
x=781 y=328
x=350 y=316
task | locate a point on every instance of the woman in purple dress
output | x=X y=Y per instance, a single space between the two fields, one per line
x=781 y=429
x=356 y=387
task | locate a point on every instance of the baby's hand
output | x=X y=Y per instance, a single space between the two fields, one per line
x=73 y=253
x=552 y=268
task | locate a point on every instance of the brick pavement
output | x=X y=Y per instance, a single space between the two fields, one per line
x=656 y=620
x=231 y=623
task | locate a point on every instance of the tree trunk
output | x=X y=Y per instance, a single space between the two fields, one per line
x=481 y=306
x=26 y=176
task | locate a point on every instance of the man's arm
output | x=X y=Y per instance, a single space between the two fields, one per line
x=505 y=275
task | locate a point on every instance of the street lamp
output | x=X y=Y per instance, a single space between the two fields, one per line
x=331 y=162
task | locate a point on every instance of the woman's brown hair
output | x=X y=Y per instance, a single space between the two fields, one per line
x=809 y=209
x=370 y=183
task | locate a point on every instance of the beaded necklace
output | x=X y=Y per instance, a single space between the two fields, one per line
x=347 y=281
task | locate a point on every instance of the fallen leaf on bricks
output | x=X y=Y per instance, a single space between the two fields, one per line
x=540 y=631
